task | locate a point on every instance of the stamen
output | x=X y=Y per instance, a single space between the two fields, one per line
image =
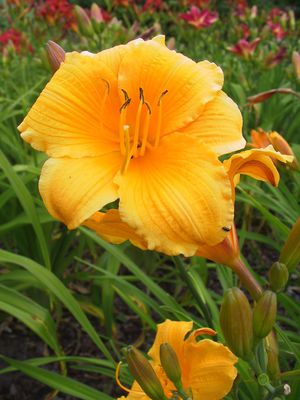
x=159 y=118
x=137 y=124
x=117 y=374
x=103 y=102
x=127 y=152
x=123 y=111
x=146 y=130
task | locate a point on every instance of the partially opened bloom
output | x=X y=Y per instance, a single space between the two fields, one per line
x=262 y=139
x=144 y=125
x=207 y=367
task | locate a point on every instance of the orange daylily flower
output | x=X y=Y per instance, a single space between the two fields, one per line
x=207 y=367
x=144 y=125
x=257 y=163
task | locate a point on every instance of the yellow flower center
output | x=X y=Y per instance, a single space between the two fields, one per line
x=134 y=138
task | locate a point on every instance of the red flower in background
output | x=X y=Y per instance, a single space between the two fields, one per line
x=273 y=59
x=153 y=5
x=199 y=18
x=11 y=36
x=16 y=39
x=244 y=48
x=54 y=11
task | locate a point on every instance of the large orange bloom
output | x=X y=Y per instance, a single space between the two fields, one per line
x=144 y=125
x=257 y=163
x=207 y=367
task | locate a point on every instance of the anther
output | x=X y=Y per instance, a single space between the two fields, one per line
x=142 y=95
x=125 y=94
x=161 y=96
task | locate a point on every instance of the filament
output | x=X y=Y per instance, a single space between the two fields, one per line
x=104 y=102
x=146 y=130
x=123 y=113
x=127 y=153
x=137 y=124
x=159 y=118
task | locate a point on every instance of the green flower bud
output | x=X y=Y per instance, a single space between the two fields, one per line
x=272 y=353
x=56 y=55
x=290 y=253
x=236 y=323
x=84 y=22
x=278 y=276
x=264 y=314
x=144 y=374
x=170 y=364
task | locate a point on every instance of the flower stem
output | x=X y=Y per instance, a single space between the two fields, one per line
x=247 y=279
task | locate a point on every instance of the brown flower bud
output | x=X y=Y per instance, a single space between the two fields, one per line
x=56 y=55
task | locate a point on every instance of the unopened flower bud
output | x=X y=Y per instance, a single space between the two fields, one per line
x=56 y=55
x=170 y=364
x=264 y=314
x=84 y=23
x=144 y=374
x=296 y=63
x=290 y=253
x=96 y=13
x=278 y=276
x=281 y=145
x=236 y=323
x=272 y=350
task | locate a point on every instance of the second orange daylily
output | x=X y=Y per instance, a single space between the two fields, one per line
x=207 y=367
x=257 y=163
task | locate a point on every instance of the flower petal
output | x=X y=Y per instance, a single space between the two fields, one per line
x=177 y=196
x=157 y=69
x=257 y=163
x=74 y=189
x=172 y=332
x=75 y=114
x=219 y=125
x=111 y=228
x=210 y=370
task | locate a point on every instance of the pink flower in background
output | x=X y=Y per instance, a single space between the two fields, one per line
x=273 y=59
x=199 y=18
x=277 y=30
x=244 y=48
